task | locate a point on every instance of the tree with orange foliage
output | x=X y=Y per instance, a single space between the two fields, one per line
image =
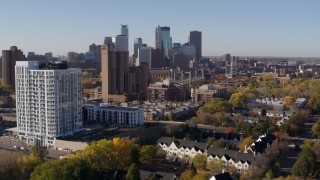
x=229 y=130
x=289 y=100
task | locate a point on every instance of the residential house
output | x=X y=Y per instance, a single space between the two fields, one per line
x=186 y=150
x=241 y=161
x=157 y=175
x=182 y=149
x=260 y=144
x=222 y=176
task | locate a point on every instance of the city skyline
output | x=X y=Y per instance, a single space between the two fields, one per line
x=246 y=28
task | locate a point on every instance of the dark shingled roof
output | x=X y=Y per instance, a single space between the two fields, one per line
x=159 y=175
x=223 y=176
x=218 y=135
x=234 y=155
x=183 y=143
x=260 y=146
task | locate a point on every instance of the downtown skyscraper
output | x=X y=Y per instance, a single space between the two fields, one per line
x=195 y=38
x=122 y=40
x=163 y=40
x=137 y=44
x=9 y=59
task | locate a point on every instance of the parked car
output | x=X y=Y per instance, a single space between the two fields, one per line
x=16 y=147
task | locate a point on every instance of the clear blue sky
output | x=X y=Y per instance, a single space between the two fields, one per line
x=239 y=27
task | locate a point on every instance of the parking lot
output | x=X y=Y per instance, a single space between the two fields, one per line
x=9 y=143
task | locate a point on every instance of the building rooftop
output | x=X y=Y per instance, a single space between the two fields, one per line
x=108 y=106
x=53 y=65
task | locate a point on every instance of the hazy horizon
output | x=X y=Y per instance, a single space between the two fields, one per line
x=285 y=28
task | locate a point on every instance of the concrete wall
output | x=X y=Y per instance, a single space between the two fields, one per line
x=71 y=145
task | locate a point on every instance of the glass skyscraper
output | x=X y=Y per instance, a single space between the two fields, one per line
x=163 y=40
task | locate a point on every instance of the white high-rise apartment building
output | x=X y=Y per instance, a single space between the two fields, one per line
x=48 y=101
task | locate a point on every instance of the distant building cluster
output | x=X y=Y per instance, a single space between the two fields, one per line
x=168 y=79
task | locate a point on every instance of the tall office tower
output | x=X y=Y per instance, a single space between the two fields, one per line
x=1 y=67
x=31 y=55
x=144 y=55
x=195 y=38
x=176 y=45
x=9 y=59
x=180 y=60
x=48 y=100
x=114 y=65
x=158 y=59
x=72 y=56
x=189 y=50
x=93 y=47
x=108 y=41
x=122 y=43
x=48 y=55
x=137 y=44
x=96 y=51
x=163 y=39
x=226 y=58
x=124 y=30
x=138 y=80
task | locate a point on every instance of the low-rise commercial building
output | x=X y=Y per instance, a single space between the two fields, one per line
x=207 y=91
x=165 y=91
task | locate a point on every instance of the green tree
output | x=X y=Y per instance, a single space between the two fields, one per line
x=40 y=152
x=219 y=144
x=170 y=116
x=296 y=123
x=134 y=155
x=201 y=176
x=245 y=128
x=269 y=174
x=316 y=129
x=133 y=173
x=214 y=165
x=215 y=105
x=187 y=175
x=245 y=143
x=64 y=169
x=27 y=164
x=314 y=102
x=200 y=161
x=238 y=99
x=307 y=165
x=148 y=153
x=177 y=131
x=116 y=151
